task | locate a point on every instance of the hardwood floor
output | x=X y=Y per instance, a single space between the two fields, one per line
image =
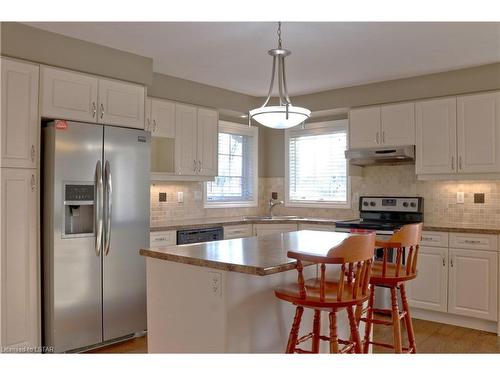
x=431 y=337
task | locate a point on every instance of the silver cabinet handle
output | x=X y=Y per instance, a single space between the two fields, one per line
x=194 y=165
x=452 y=163
x=102 y=110
x=148 y=124
x=33 y=153
x=451 y=262
x=460 y=162
x=154 y=126
x=98 y=208
x=426 y=238
x=94 y=109
x=109 y=204
x=444 y=263
x=383 y=136
x=377 y=138
x=33 y=182
x=199 y=166
x=472 y=241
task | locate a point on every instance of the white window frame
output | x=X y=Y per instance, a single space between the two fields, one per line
x=315 y=129
x=245 y=130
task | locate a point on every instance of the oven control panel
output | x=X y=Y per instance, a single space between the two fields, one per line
x=396 y=204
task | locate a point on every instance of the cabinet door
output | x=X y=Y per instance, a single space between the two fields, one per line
x=473 y=283
x=185 y=139
x=436 y=125
x=162 y=118
x=398 y=124
x=19 y=119
x=68 y=95
x=19 y=259
x=478 y=128
x=364 y=127
x=121 y=104
x=430 y=289
x=207 y=142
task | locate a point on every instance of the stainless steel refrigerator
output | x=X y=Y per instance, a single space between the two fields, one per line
x=95 y=220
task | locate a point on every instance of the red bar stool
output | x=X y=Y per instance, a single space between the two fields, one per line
x=393 y=275
x=354 y=254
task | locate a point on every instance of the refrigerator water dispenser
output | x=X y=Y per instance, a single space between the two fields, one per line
x=78 y=210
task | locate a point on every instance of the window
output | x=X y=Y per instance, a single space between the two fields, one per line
x=237 y=182
x=317 y=171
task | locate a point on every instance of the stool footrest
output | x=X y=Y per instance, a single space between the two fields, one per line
x=302 y=351
x=305 y=338
x=377 y=321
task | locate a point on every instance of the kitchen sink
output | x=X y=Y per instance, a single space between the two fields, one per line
x=270 y=218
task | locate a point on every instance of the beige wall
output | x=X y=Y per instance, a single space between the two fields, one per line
x=29 y=43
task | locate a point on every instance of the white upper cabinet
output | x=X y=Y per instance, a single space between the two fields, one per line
x=364 y=127
x=82 y=97
x=19 y=288
x=473 y=286
x=121 y=104
x=398 y=124
x=68 y=95
x=207 y=142
x=388 y=125
x=430 y=289
x=161 y=118
x=186 y=162
x=436 y=136
x=19 y=114
x=478 y=129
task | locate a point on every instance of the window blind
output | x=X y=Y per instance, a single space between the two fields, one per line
x=236 y=170
x=318 y=168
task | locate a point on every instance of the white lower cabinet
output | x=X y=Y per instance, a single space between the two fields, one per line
x=430 y=289
x=262 y=229
x=237 y=231
x=19 y=291
x=461 y=281
x=473 y=283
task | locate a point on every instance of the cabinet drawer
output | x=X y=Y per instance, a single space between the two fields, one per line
x=237 y=231
x=262 y=229
x=474 y=241
x=434 y=239
x=158 y=239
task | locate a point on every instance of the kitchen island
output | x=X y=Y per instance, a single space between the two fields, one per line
x=218 y=297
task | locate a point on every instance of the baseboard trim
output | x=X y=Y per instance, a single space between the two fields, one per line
x=456 y=320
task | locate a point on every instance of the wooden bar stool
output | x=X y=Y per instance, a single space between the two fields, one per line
x=354 y=253
x=393 y=275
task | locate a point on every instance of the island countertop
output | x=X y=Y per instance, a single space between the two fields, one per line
x=260 y=255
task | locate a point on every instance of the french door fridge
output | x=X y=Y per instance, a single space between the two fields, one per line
x=95 y=220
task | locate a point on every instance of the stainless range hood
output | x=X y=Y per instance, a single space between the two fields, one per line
x=381 y=155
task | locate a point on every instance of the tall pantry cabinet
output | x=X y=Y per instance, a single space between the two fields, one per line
x=19 y=150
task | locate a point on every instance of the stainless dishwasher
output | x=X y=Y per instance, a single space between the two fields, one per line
x=199 y=235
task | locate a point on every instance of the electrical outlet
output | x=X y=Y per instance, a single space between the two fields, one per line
x=162 y=197
x=460 y=197
x=215 y=283
x=180 y=197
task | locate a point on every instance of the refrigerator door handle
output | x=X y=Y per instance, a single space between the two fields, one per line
x=98 y=208
x=109 y=198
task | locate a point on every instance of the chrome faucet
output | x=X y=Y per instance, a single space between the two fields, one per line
x=272 y=204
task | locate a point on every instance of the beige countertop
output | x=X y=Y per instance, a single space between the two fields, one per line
x=210 y=222
x=263 y=255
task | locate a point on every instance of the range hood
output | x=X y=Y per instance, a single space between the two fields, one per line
x=381 y=155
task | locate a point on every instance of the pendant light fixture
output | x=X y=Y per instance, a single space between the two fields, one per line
x=284 y=115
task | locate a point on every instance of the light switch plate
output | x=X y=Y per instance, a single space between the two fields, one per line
x=180 y=197
x=460 y=197
x=215 y=282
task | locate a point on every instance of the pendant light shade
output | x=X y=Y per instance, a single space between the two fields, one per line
x=284 y=115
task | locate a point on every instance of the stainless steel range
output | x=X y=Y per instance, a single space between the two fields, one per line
x=384 y=215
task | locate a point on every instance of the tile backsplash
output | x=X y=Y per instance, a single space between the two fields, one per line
x=440 y=199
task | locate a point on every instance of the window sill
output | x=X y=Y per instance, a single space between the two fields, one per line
x=230 y=204
x=315 y=204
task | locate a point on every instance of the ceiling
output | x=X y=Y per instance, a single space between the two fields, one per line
x=325 y=55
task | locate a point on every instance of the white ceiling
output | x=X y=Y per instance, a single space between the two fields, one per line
x=324 y=55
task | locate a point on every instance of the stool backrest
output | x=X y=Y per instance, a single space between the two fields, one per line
x=406 y=242
x=354 y=255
